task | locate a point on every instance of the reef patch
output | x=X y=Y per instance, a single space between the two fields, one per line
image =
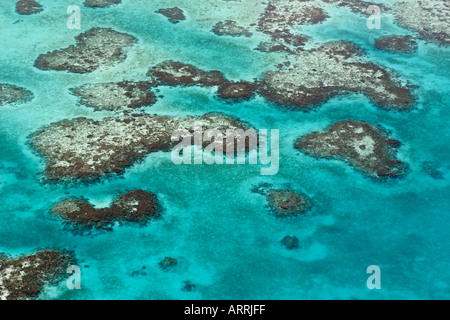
x=116 y=96
x=396 y=44
x=230 y=28
x=287 y=203
x=26 y=7
x=137 y=206
x=237 y=91
x=85 y=150
x=174 y=73
x=174 y=14
x=279 y=19
x=94 y=48
x=290 y=242
x=168 y=263
x=430 y=19
x=13 y=94
x=25 y=277
x=100 y=3
x=368 y=148
x=312 y=77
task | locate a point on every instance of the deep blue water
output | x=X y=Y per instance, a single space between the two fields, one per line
x=221 y=232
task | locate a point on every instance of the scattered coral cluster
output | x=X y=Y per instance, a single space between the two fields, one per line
x=94 y=48
x=25 y=277
x=26 y=7
x=86 y=150
x=366 y=147
x=13 y=94
x=137 y=206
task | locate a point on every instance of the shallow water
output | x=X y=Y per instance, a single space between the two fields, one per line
x=220 y=232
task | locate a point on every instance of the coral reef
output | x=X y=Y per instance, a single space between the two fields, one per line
x=237 y=91
x=290 y=242
x=100 y=3
x=137 y=206
x=177 y=73
x=13 y=94
x=94 y=48
x=430 y=19
x=189 y=286
x=174 y=14
x=87 y=149
x=230 y=28
x=433 y=169
x=115 y=96
x=403 y=44
x=287 y=203
x=281 y=16
x=24 y=277
x=314 y=76
x=27 y=7
x=366 y=147
x=168 y=263
x=357 y=6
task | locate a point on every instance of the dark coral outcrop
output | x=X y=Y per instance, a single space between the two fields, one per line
x=287 y=203
x=312 y=77
x=85 y=150
x=396 y=44
x=14 y=94
x=26 y=7
x=174 y=73
x=137 y=206
x=94 y=48
x=174 y=14
x=368 y=148
x=100 y=3
x=25 y=277
x=115 y=96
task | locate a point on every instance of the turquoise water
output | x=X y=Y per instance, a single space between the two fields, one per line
x=220 y=232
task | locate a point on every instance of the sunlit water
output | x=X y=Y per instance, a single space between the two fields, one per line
x=221 y=233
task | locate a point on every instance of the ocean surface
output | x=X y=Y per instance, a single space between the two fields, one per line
x=222 y=234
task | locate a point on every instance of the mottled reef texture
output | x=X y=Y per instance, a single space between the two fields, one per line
x=85 y=149
x=174 y=14
x=24 y=278
x=26 y=7
x=174 y=73
x=94 y=48
x=137 y=206
x=403 y=44
x=116 y=96
x=189 y=286
x=357 y=6
x=290 y=242
x=168 y=263
x=237 y=91
x=314 y=76
x=100 y=3
x=430 y=19
x=12 y=94
x=230 y=28
x=287 y=203
x=281 y=17
x=433 y=169
x=368 y=148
